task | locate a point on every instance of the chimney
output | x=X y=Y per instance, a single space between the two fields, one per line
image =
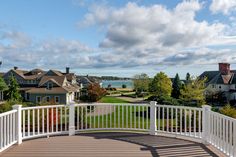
x=67 y=70
x=15 y=68
x=224 y=68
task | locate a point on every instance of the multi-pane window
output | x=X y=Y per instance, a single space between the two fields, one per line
x=49 y=85
x=57 y=99
x=47 y=98
x=38 y=99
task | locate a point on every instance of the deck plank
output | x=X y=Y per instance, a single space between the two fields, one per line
x=108 y=145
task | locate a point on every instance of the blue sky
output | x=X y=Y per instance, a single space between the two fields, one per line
x=119 y=38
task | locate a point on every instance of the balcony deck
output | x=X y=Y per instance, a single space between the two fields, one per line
x=112 y=144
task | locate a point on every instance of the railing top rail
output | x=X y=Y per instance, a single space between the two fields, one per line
x=7 y=113
x=180 y=107
x=118 y=104
x=42 y=107
x=224 y=116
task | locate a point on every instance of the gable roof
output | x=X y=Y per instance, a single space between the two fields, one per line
x=215 y=77
x=59 y=80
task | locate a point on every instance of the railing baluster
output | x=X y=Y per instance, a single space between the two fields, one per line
x=139 y=117
x=115 y=116
x=28 y=122
x=47 y=121
x=185 y=121
x=167 y=119
x=199 y=123
x=56 y=119
x=159 y=118
x=33 y=119
x=190 y=122
x=122 y=116
x=106 y=108
x=118 y=116
x=61 y=116
x=1 y=132
x=143 y=117
x=43 y=121
x=23 y=123
x=111 y=116
x=147 y=118
x=176 y=120
x=181 y=118
x=194 y=123
x=234 y=138
x=127 y=113
x=94 y=118
x=90 y=119
x=82 y=118
x=86 y=118
x=134 y=117
x=38 y=117
x=172 y=120
x=5 y=130
x=163 y=119
x=131 y=125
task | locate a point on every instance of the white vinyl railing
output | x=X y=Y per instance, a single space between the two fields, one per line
x=8 y=132
x=195 y=123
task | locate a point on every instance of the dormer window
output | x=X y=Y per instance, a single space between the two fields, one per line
x=49 y=86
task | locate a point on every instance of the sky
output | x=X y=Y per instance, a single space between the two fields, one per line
x=118 y=38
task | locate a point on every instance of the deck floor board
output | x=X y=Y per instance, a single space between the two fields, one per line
x=108 y=145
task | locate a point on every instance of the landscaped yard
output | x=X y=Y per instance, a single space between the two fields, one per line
x=110 y=99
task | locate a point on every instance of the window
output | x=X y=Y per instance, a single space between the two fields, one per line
x=220 y=87
x=38 y=99
x=57 y=99
x=49 y=86
x=47 y=98
x=213 y=86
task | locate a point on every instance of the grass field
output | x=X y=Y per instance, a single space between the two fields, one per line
x=110 y=99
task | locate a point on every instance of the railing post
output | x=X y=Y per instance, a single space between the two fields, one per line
x=72 y=120
x=18 y=123
x=153 y=117
x=205 y=123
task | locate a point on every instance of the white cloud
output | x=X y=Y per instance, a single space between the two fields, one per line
x=149 y=35
x=223 y=6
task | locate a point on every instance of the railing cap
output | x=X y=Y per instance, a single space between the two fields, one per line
x=153 y=103
x=17 y=106
x=206 y=107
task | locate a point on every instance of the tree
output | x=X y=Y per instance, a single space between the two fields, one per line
x=3 y=85
x=188 y=78
x=176 y=86
x=161 y=85
x=124 y=86
x=95 y=92
x=193 y=92
x=141 y=82
x=13 y=93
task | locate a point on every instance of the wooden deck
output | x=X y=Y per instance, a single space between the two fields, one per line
x=108 y=145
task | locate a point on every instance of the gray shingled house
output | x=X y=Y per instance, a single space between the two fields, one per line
x=51 y=86
x=223 y=80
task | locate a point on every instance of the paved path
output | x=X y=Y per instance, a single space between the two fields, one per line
x=108 y=145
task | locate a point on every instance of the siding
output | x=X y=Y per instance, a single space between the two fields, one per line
x=32 y=97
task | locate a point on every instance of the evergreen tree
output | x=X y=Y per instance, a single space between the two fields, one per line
x=161 y=85
x=188 y=78
x=3 y=85
x=176 y=86
x=13 y=90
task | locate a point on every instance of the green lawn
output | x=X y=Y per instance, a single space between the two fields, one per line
x=110 y=99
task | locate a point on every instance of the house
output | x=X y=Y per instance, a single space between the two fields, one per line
x=221 y=81
x=52 y=86
x=85 y=81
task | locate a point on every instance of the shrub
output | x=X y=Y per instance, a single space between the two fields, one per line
x=124 y=86
x=167 y=100
x=228 y=111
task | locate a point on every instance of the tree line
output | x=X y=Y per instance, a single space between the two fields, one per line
x=175 y=92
